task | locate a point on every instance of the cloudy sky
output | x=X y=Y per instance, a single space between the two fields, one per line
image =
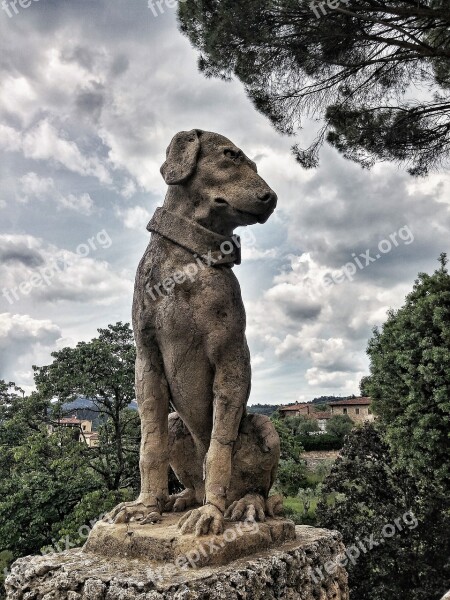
x=91 y=92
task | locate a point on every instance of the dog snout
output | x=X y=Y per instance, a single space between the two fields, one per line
x=267 y=197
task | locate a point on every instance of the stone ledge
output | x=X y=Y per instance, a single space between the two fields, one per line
x=164 y=542
x=284 y=573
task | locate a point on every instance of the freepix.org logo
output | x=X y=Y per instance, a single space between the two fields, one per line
x=158 y=6
x=12 y=7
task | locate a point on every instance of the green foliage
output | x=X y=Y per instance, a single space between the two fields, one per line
x=363 y=71
x=410 y=378
x=102 y=370
x=364 y=386
x=5 y=561
x=325 y=441
x=321 y=407
x=306 y=426
x=372 y=491
x=51 y=485
x=340 y=426
x=262 y=409
x=46 y=478
x=292 y=469
x=90 y=509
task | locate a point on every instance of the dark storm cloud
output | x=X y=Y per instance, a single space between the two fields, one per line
x=91 y=101
x=11 y=252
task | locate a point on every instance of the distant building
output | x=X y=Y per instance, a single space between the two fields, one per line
x=308 y=410
x=322 y=419
x=358 y=409
x=295 y=410
x=82 y=429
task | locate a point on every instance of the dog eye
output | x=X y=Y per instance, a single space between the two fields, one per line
x=231 y=154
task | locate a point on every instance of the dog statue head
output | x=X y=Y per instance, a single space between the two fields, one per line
x=213 y=183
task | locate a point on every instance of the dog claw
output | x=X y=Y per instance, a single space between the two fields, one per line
x=250 y=508
x=133 y=511
x=207 y=520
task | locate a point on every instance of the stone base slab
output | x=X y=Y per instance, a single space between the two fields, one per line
x=294 y=571
x=164 y=542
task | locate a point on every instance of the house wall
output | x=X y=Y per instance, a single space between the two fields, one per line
x=358 y=414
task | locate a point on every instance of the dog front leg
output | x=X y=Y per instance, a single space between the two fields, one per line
x=231 y=391
x=152 y=395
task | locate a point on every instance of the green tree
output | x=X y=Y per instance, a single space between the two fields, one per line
x=340 y=426
x=410 y=378
x=372 y=491
x=42 y=476
x=364 y=385
x=102 y=370
x=403 y=464
x=307 y=426
x=5 y=560
x=376 y=71
x=292 y=469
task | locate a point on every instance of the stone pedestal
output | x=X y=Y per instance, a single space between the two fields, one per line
x=163 y=542
x=293 y=571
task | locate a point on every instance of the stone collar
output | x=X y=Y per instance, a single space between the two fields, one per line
x=211 y=247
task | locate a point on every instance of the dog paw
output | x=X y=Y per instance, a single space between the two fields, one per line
x=207 y=520
x=134 y=511
x=274 y=505
x=182 y=501
x=249 y=508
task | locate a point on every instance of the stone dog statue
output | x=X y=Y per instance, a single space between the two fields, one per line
x=191 y=345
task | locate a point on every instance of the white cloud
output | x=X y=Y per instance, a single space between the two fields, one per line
x=254 y=253
x=32 y=268
x=134 y=218
x=82 y=204
x=44 y=142
x=43 y=188
x=22 y=339
x=32 y=185
x=10 y=139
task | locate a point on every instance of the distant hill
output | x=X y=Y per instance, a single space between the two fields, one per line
x=83 y=402
x=327 y=399
x=84 y=408
x=263 y=409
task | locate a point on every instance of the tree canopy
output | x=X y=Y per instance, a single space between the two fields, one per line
x=377 y=499
x=377 y=72
x=410 y=377
x=102 y=370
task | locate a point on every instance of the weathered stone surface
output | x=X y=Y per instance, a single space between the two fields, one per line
x=164 y=541
x=286 y=573
x=189 y=326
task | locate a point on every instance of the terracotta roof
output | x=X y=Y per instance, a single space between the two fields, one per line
x=69 y=421
x=295 y=406
x=321 y=415
x=352 y=402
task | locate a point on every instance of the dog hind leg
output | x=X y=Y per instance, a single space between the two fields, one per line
x=186 y=460
x=255 y=460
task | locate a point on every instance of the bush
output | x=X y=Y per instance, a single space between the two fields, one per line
x=325 y=441
x=340 y=426
x=291 y=477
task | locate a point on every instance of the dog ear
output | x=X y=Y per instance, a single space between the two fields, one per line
x=181 y=157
